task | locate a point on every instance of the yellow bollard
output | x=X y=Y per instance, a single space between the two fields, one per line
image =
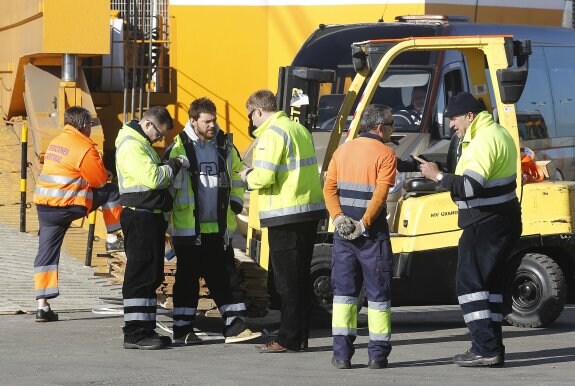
x=90 y=244
x=23 y=174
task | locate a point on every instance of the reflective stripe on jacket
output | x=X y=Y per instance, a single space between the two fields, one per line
x=72 y=167
x=285 y=173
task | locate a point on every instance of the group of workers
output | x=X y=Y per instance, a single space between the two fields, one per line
x=198 y=187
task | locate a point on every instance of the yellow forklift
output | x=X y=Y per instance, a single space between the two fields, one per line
x=423 y=221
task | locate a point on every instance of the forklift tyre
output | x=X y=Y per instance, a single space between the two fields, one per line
x=321 y=291
x=536 y=290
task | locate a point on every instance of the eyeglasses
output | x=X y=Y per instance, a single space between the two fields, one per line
x=158 y=132
x=251 y=113
x=387 y=123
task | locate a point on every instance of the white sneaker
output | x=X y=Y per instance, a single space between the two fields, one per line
x=190 y=339
x=246 y=334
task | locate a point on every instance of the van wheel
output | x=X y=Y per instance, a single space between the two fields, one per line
x=536 y=290
x=321 y=291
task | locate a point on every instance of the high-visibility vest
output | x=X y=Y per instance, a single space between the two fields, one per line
x=230 y=191
x=285 y=173
x=72 y=167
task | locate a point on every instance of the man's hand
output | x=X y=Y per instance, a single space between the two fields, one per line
x=429 y=170
x=244 y=173
x=184 y=161
x=110 y=176
x=358 y=230
x=344 y=225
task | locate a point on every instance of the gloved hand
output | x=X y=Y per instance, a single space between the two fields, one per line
x=358 y=230
x=184 y=161
x=344 y=225
x=244 y=173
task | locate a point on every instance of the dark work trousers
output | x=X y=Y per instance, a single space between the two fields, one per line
x=54 y=222
x=216 y=265
x=355 y=262
x=144 y=244
x=291 y=250
x=483 y=249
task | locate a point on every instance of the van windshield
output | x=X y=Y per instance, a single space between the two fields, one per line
x=404 y=90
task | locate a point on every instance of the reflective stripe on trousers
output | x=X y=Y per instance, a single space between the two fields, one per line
x=350 y=259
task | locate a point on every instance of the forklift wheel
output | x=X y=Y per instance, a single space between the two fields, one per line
x=535 y=290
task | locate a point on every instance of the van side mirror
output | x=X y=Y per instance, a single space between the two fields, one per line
x=512 y=80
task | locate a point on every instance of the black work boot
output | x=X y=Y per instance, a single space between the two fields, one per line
x=341 y=364
x=144 y=339
x=46 y=316
x=375 y=364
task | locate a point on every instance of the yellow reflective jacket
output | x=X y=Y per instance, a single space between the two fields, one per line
x=142 y=178
x=484 y=182
x=285 y=173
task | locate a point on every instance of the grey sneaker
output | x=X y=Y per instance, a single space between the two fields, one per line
x=470 y=359
x=243 y=336
x=116 y=246
x=190 y=339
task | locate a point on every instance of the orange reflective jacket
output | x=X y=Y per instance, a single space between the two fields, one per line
x=72 y=167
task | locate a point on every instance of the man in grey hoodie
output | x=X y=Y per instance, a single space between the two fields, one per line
x=206 y=199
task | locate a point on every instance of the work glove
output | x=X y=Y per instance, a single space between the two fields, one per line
x=358 y=230
x=244 y=173
x=344 y=225
x=184 y=161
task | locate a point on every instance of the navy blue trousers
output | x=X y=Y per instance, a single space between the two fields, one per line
x=480 y=279
x=54 y=223
x=370 y=262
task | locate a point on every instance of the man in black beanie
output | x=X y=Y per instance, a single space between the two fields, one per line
x=483 y=187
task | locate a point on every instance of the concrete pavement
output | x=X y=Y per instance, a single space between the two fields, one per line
x=86 y=349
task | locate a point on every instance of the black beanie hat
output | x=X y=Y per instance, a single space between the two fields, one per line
x=462 y=103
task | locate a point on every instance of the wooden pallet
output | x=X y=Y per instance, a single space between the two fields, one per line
x=252 y=282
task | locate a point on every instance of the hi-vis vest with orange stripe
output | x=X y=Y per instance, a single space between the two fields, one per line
x=72 y=167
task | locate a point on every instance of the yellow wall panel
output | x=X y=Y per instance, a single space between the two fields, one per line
x=218 y=57
x=76 y=26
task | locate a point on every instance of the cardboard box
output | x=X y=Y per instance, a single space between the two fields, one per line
x=547 y=168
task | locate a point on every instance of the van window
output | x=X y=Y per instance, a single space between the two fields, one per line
x=537 y=93
x=452 y=85
x=561 y=66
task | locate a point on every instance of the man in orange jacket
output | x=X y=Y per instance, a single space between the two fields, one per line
x=73 y=183
x=355 y=192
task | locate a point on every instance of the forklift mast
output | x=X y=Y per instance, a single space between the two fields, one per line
x=298 y=92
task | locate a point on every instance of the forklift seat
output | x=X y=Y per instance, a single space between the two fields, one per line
x=419 y=186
